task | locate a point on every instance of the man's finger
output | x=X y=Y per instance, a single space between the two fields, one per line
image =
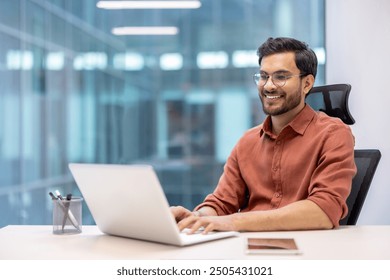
x=186 y=222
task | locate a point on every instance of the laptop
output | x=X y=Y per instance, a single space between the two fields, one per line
x=128 y=201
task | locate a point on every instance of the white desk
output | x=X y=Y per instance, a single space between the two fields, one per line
x=38 y=242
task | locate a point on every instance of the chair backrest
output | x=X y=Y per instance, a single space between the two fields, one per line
x=366 y=162
x=332 y=100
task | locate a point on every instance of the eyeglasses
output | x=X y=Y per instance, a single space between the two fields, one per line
x=278 y=79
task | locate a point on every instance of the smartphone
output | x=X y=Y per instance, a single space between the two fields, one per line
x=272 y=246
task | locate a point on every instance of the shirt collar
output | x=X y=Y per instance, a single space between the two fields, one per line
x=299 y=124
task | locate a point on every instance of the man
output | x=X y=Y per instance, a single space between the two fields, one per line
x=294 y=171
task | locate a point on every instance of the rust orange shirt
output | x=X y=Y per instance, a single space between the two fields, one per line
x=312 y=158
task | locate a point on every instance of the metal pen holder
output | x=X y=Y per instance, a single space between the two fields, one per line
x=67 y=216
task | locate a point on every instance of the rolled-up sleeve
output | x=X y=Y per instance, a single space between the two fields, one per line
x=331 y=181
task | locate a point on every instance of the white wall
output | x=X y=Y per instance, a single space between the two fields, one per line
x=358 y=53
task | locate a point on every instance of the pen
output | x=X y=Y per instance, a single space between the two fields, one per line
x=67 y=205
x=53 y=197
x=59 y=195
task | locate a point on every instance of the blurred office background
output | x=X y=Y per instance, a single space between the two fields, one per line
x=72 y=91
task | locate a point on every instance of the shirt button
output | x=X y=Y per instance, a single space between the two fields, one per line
x=278 y=142
x=277 y=194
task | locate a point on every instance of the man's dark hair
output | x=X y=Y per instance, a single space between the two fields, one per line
x=305 y=58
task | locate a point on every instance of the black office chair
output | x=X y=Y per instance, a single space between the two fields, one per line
x=333 y=100
x=366 y=162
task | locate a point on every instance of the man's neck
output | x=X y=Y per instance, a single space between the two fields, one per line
x=278 y=124
x=281 y=121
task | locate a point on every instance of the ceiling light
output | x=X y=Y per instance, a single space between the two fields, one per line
x=212 y=60
x=148 y=4
x=245 y=58
x=145 y=30
x=171 y=61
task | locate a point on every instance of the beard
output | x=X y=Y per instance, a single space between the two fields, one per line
x=287 y=102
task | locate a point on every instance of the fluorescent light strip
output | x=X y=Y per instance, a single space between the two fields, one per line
x=147 y=30
x=114 y=5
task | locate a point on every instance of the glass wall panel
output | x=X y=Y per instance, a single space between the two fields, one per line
x=71 y=91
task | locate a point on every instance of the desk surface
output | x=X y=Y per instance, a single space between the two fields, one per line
x=38 y=242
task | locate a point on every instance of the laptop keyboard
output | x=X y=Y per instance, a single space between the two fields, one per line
x=199 y=231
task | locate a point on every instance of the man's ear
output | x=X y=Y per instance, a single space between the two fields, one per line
x=308 y=83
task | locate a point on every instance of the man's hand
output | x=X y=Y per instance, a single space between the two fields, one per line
x=196 y=221
x=180 y=213
x=207 y=223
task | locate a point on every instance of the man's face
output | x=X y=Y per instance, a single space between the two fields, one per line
x=278 y=100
